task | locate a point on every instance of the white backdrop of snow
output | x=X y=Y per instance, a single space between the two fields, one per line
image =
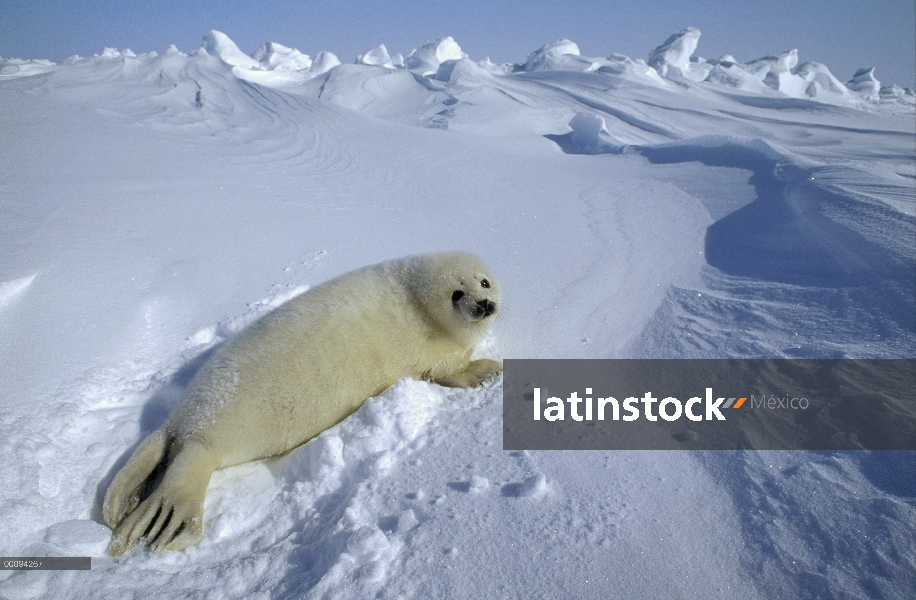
x=155 y=204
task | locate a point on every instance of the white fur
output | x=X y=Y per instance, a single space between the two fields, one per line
x=299 y=370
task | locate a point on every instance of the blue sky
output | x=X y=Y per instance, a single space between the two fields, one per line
x=843 y=34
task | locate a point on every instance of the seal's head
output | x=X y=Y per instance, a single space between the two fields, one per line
x=478 y=304
x=458 y=291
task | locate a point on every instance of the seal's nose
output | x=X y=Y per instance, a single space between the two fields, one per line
x=487 y=307
x=458 y=295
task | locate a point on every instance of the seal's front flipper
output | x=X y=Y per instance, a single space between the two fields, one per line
x=476 y=373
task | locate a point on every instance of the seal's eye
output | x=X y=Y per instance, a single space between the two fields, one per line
x=458 y=295
x=484 y=283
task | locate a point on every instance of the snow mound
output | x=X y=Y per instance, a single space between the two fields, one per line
x=115 y=53
x=628 y=68
x=217 y=43
x=589 y=135
x=865 y=83
x=728 y=72
x=806 y=80
x=674 y=56
x=783 y=73
x=379 y=57
x=272 y=55
x=324 y=62
x=466 y=75
x=16 y=67
x=776 y=72
x=427 y=59
x=895 y=92
x=557 y=55
x=820 y=80
x=272 y=64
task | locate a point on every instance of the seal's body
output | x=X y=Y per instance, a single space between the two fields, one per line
x=297 y=371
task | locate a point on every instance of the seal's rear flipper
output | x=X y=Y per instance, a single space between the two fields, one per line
x=124 y=493
x=173 y=515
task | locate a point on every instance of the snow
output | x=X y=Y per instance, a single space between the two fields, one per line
x=865 y=83
x=427 y=59
x=272 y=55
x=674 y=56
x=155 y=204
x=553 y=56
x=375 y=56
x=217 y=43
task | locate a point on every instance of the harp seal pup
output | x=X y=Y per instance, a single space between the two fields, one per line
x=297 y=371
